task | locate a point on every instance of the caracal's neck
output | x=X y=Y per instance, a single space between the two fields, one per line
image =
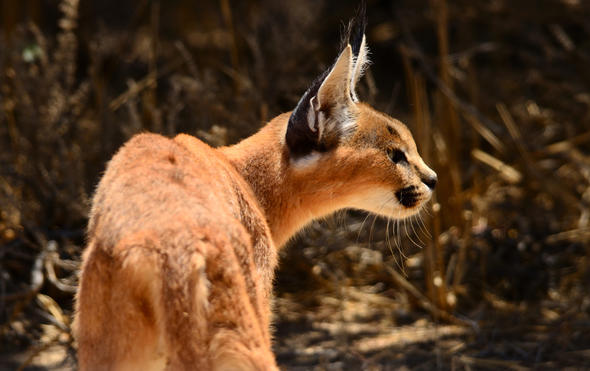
x=290 y=199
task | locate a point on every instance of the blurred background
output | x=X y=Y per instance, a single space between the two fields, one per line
x=494 y=274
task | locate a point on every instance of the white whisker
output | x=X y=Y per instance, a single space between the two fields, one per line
x=423 y=226
x=410 y=237
x=416 y=234
x=361 y=228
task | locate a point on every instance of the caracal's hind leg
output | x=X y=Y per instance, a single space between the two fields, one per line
x=116 y=325
x=227 y=315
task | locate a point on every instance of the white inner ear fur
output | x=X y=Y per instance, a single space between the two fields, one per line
x=311 y=115
x=360 y=65
x=335 y=93
x=335 y=87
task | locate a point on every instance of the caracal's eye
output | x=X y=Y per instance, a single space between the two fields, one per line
x=397 y=156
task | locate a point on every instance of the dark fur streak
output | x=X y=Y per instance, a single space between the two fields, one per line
x=301 y=140
x=356 y=29
x=408 y=196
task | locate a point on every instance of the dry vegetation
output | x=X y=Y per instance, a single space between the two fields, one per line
x=495 y=275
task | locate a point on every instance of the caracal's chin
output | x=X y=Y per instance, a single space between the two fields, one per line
x=387 y=203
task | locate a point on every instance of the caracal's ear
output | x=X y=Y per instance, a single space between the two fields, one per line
x=335 y=90
x=327 y=111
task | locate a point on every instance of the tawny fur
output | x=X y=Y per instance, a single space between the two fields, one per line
x=178 y=270
x=183 y=238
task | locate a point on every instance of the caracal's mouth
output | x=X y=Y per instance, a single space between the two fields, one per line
x=410 y=201
x=408 y=197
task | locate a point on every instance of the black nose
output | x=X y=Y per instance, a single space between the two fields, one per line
x=430 y=182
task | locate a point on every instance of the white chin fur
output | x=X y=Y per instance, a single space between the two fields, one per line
x=383 y=202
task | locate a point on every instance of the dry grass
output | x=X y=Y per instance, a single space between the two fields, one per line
x=495 y=273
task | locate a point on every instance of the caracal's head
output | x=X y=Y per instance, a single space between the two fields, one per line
x=360 y=157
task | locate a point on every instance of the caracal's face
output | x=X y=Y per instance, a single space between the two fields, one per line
x=393 y=180
x=358 y=157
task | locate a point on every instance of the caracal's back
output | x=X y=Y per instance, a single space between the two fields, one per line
x=169 y=217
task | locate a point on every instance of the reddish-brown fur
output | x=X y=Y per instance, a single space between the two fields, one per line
x=160 y=263
x=183 y=238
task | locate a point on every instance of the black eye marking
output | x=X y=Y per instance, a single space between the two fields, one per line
x=390 y=130
x=397 y=156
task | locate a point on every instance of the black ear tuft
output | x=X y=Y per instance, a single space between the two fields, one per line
x=300 y=139
x=356 y=29
x=305 y=126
